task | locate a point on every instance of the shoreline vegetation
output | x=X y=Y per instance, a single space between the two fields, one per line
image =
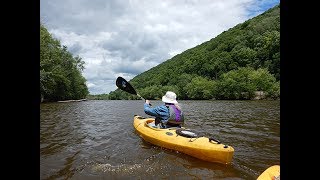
x=72 y=101
x=258 y=95
x=64 y=101
x=60 y=72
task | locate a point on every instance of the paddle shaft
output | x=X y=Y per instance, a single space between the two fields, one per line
x=141 y=97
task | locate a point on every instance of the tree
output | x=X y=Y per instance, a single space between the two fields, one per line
x=243 y=82
x=200 y=88
x=60 y=72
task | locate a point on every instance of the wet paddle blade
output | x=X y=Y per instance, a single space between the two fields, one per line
x=125 y=86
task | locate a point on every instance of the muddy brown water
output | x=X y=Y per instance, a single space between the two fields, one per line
x=96 y=139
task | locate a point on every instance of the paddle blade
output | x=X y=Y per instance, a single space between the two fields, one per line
x=125 y=86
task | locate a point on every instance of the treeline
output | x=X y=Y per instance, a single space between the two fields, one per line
x=98 y=97
x=235 y=84
x=60 y=72
x=233 y=65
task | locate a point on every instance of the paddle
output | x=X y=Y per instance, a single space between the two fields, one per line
x=126 y=86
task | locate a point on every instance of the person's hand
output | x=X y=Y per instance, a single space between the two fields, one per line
x=147 y=101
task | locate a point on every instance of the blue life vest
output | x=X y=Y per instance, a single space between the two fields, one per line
x=176 y=116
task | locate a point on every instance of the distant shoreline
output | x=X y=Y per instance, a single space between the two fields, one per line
x=72 y=100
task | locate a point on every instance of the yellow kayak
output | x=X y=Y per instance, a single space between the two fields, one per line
x=200 y=147
x=272 y=173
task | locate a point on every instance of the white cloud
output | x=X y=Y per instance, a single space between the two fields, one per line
x=91 y=85
x=125 y=38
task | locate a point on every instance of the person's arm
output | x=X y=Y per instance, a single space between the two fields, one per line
x=148 y=109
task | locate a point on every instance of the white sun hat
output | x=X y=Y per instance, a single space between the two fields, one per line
x=170 y=97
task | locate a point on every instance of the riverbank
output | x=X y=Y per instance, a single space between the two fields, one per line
x=72 y=100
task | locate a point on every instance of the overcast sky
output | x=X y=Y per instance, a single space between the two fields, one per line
x=127 y=37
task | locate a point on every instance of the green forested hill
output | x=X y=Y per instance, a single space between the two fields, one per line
x=233 y=65
x=60 y=72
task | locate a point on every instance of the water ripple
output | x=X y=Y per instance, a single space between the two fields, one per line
x=96 y=140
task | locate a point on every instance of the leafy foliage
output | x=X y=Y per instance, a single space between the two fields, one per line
x=243 y=82
x=60 y=72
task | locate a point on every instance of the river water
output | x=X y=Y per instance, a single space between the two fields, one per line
x=96 y=139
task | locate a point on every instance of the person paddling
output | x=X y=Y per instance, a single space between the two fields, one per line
x=167 y=115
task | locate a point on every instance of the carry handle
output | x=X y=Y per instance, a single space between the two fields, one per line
x=212 y=139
